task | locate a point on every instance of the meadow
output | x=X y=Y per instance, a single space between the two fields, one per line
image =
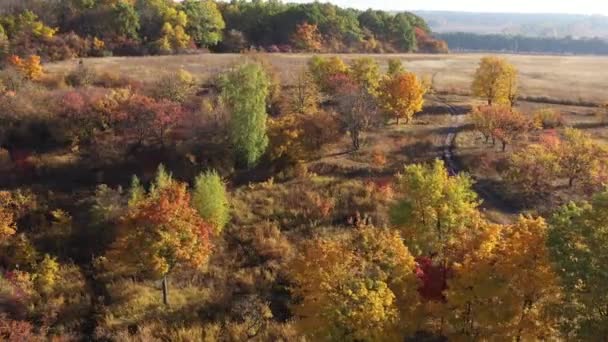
x=560 y=79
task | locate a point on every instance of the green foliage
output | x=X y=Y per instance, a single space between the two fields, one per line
x=125 y=19
x=210 y=199
x=366 y=72
x=244 y=91
x=137 y=193
x=577 y=240
x=205 y=22
x=395 y=66
x=434 y=207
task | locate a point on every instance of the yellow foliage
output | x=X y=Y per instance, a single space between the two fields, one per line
x=505 y=288
x=496 y=80
x=401 y=95
x=362 y=289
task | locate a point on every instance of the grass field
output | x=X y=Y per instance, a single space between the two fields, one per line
x=555 y=78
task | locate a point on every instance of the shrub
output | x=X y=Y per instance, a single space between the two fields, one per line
x=176 y=87
x=547 y=118
x=211 y=200
x=82 y=76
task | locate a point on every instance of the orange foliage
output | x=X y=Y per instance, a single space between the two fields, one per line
x=307 y=37
x=161 y=232
x=30 y=68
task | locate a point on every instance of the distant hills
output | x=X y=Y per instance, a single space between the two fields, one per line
x=529 y=25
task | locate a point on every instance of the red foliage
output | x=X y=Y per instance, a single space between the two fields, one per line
x=342 y=84
x=11 y=330
x=434 y=279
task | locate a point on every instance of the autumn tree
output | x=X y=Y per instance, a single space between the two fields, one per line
x=210 y=199
x=244 y=91
x=505 y=287
x=205 y=22
x=325 y=69
x=175 y=86
x=307 y=38
x=532 y=171
x=578 y=237
x=304 y=98
x=496 y=81
x=356 y=106
x=7 y=224
x=433 y=208
x=500 y=123
x=160 y=233
x=355 y=288
x=508 y=125
x=579 y=156
x=30 y=67
x=401 y=95
x=366 y=72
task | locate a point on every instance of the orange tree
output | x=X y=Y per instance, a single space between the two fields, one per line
x=307 y=38
x=160 y=232
x=401 y=95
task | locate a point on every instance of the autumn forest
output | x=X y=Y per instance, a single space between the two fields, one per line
x=266 y=171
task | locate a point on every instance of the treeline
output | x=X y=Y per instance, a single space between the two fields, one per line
x=461 y=41
x=63 y=29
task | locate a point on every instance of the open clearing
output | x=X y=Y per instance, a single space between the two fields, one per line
x=556 y=78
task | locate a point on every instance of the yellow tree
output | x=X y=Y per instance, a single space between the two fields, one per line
x=401 y=95
x=495 y=80
x=7 y=224
x=505 y=287
x=354 y=289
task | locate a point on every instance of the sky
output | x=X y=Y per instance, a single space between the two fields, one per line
x=511 y=6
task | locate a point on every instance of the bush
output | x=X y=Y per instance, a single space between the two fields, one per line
x=176 y=87
x=82 y=76
x=210 y=200
x=547 y=118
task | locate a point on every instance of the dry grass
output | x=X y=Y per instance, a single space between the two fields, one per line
x=559 y=78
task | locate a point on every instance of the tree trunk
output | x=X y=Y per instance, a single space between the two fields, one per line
x=397 y=121
x=571 y=182
x=165 y=290
x=504 y=146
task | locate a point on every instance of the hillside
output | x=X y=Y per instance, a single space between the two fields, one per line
x=534 y=25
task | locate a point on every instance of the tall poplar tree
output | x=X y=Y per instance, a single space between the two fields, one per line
x=244 y=91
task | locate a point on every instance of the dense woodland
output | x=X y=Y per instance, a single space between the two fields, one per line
x=460 y=41
x=62 y=29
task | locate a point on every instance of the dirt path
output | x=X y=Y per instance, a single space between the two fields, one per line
x=491 y=201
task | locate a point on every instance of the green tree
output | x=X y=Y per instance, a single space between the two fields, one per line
x=366 y=72
x=244 y=91
x=578 y=240
x=205 y=22
x=125 y=19
x=210 y=199
x=395 y=66
x=434 y=207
